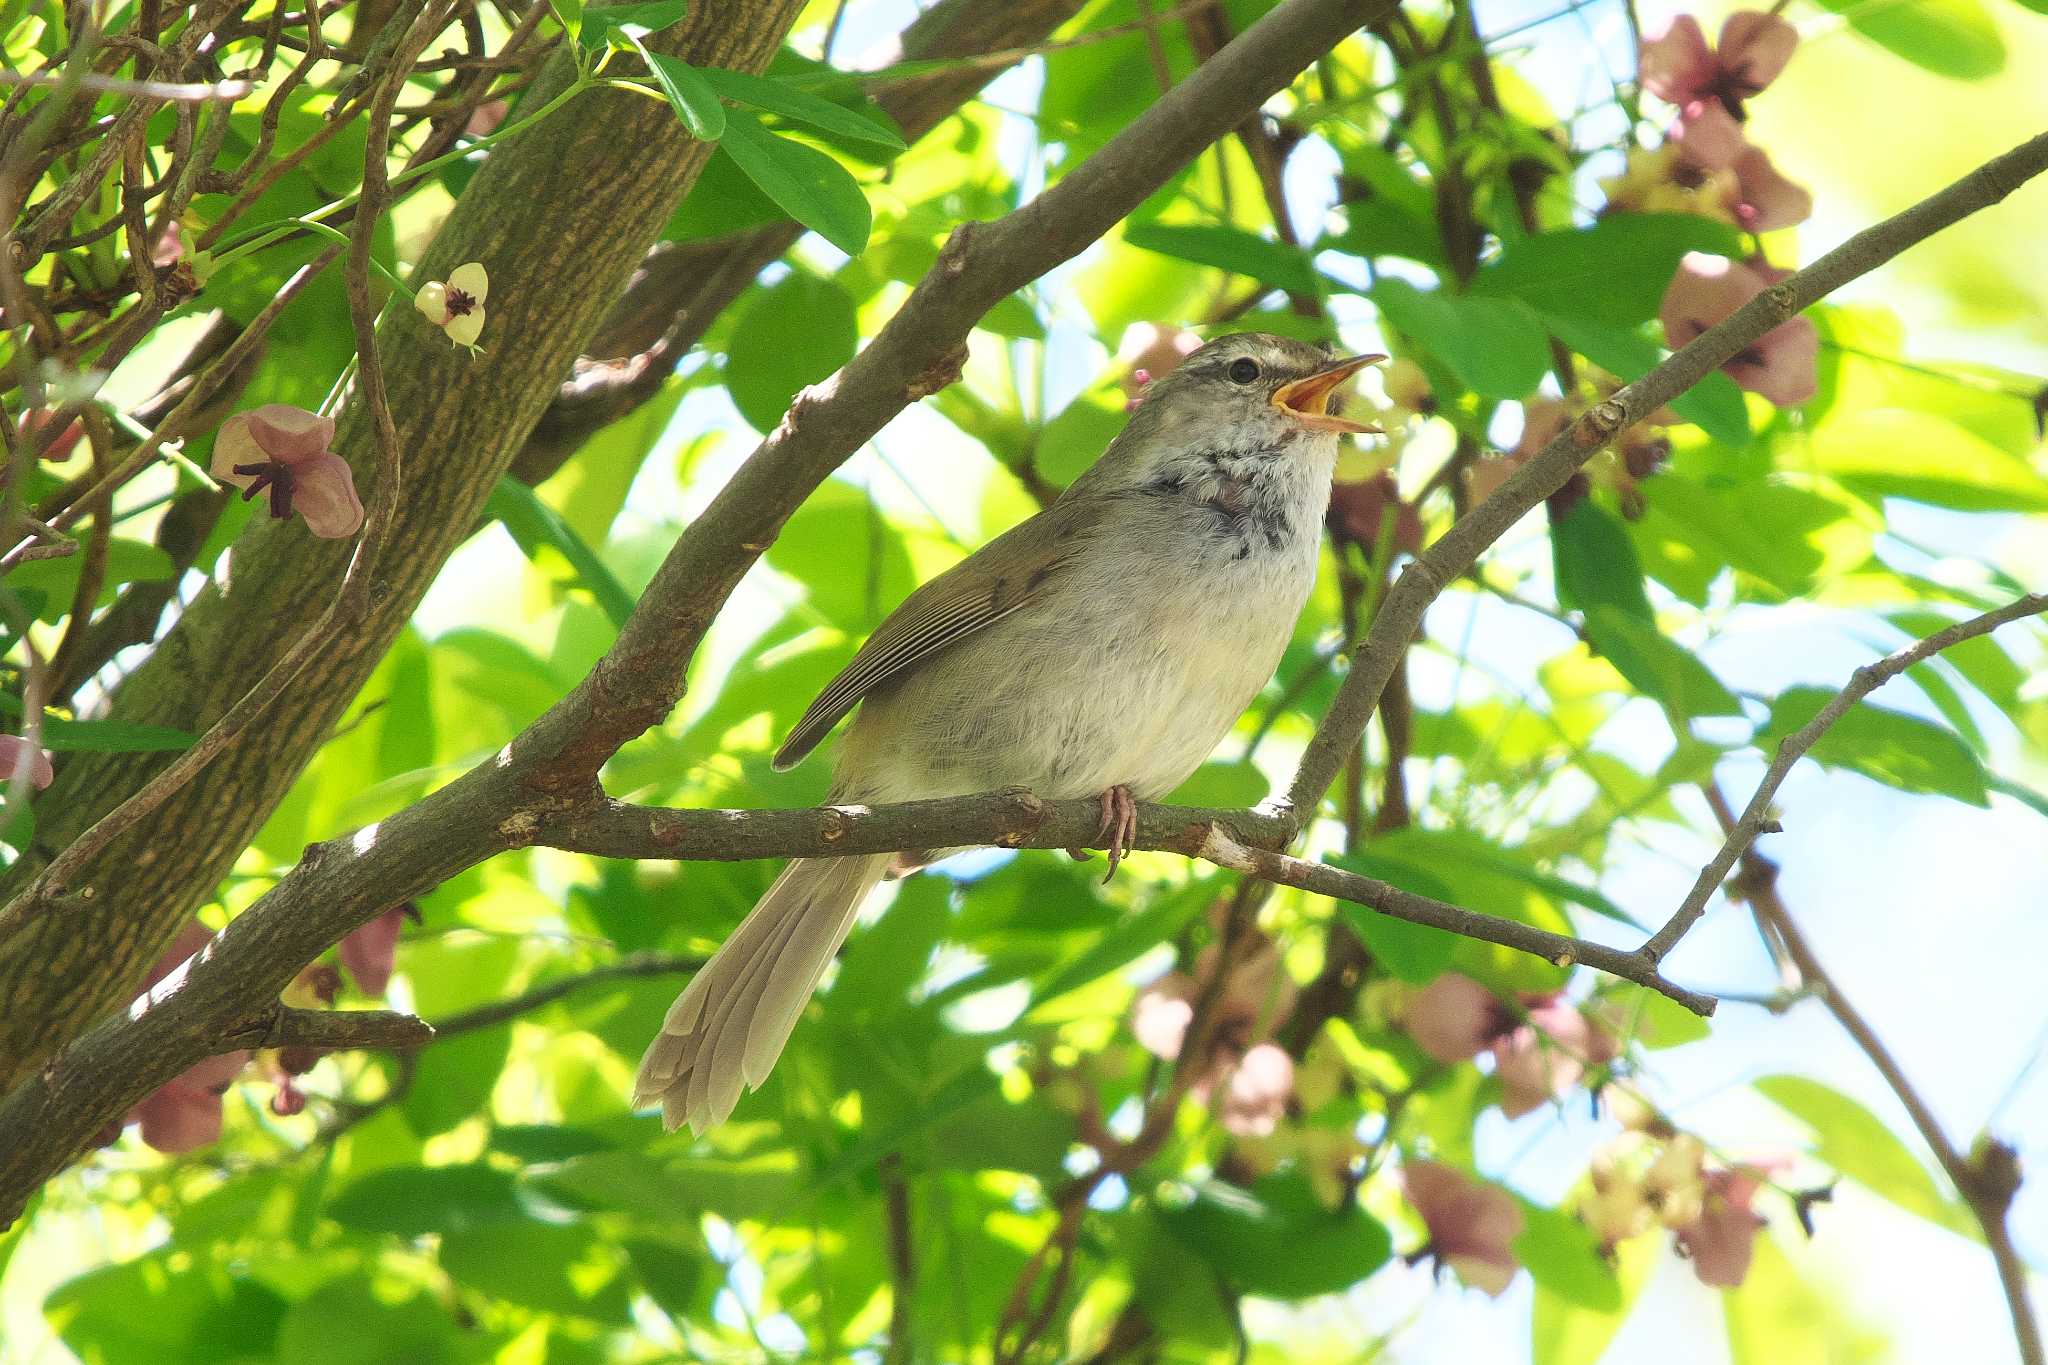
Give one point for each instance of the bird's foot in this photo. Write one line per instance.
(1119, 826)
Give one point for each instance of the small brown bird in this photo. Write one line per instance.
(1101, 648)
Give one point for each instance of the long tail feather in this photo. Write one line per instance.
(732, 1021)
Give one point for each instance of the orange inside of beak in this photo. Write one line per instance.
(1307, 400)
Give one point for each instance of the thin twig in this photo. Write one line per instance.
(1867, 679)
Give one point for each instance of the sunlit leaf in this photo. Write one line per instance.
(1889, 746)
(1859, 1145)
(808, 185)
(1274, 1239)
(1230, 249)
(1954, 38)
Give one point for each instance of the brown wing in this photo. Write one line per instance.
(980, 590)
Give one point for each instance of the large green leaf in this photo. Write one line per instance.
(1596, 566)
(167, 1306)
(779, 97)
(687, 91)
(1613, 272)
(1276, 1240)
(552, 1267)
(1903, 453)
(1414, 952)
(1954, 38)
(1859, 1145)
(1228, 248)
(1889, 746)
(809, 186)
(1775, 1317)
(412, 1201)
(1657, 666)
(794, 333)
(1495, 346)
(55, 581)
(1563, 1258)
(533, 524)
(1567, 1330)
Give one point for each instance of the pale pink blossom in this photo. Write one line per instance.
(19, 758)
(1454, 1018)
(1472, 1226)
(1678, 66)
(185, 1112)
(1780, 365)
(1545, 1057)
(370, 952)
(1149, 351)
(284, 450)
(1722, 1240)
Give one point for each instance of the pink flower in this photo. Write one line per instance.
(1780, 365)
(1454, 1018)
(370, 952)
(1256, 996)
(1149, 351)
(1678, 66)
(184, 1113)
(1357, 511)
(1722, 1240)
(1471, 1226)
(1256, 1099)
(284, 449)
(19, 758)
(1765, 200)
(1547, 1056)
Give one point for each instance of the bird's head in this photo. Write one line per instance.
(1249, 393)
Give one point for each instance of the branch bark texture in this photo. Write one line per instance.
(559, 217)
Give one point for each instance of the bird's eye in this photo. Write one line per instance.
(1244, 370)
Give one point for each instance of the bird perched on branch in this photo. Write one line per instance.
(1101, 648)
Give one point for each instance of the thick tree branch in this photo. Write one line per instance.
(53, 1110)
(1452, 555)
(680, 289)
(1742, 833)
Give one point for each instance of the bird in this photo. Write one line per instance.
(1100, 649)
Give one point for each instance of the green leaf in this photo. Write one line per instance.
(1276, 1240)
(128, 561)
(411, 1201)
(670, 1274)
(1954, 38)
(1655, 1021)
(64, 736)
(620, 25)
(779, 98)
(1563, 1331)
(1380, 227)
(809, 186)
(1231, 249)
(1126, 939)
(1861, 1147)
(1563, 1258)
(1596, 566)
(1614, 272)
(348, 1322)
(570, 13)
(1903, 453)
(551, 1267)
(1495, 347)
(533, 524)
(167, 1307)
(1775, 1317)
(1657, 666)
(795, 332)
(1714, 405)
(1888, 746)
(688, 92)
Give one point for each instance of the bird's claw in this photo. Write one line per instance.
(1119, 826)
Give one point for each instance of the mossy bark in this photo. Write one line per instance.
(559, 216)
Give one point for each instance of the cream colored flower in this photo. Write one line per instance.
(457, 306)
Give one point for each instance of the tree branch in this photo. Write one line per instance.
(1743, 833)
(1456, 551)
(1987, 1179)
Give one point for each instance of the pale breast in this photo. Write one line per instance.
(1129, 670)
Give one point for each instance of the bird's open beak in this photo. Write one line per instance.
(1307, 400)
